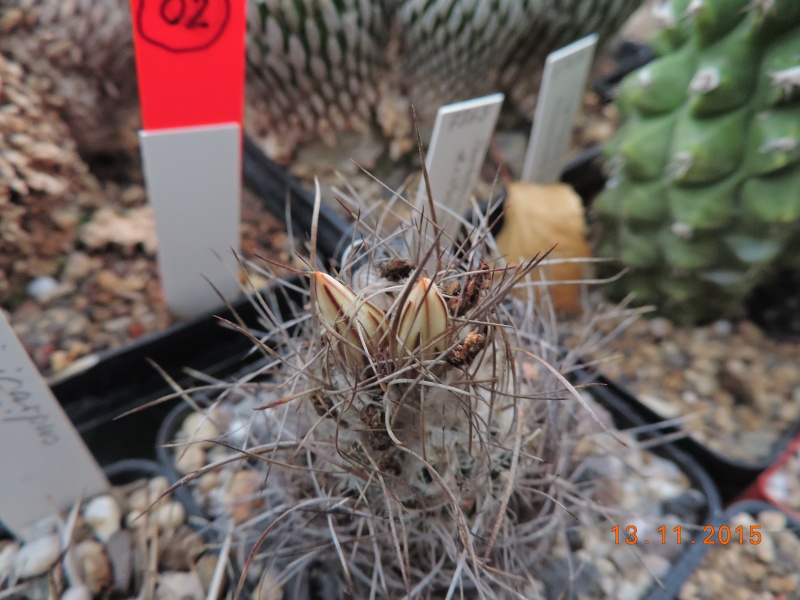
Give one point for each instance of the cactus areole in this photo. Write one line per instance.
(703, 198)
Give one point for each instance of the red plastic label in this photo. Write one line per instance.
(190, 61)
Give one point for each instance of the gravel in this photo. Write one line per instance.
(769, 570)
(733, 388)
(135, 541)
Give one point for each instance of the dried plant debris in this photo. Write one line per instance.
(81, 52)
(78, 271)
(548, 219)
(133, 542)
(44, 185)
(409, 444)
(733, 388)
(135, 228)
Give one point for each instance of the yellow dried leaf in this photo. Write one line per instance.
(537, 218)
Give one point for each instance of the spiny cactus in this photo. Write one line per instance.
(412, 435)
(318, 68)
(703, 201)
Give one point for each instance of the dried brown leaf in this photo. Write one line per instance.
(538, 218)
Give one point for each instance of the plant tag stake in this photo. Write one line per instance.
(563, 82)
(190, 63)
(193, 176)
(460, 140)
(45, 466)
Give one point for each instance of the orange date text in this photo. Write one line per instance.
(711, 535)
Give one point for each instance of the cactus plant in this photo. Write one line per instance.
(413, 437)
(703, 199)
(322, 67)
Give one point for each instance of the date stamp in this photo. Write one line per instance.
(711, 535)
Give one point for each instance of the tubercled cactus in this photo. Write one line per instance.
(703, 200)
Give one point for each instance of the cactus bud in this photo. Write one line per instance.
(342, 312)
(423, 320)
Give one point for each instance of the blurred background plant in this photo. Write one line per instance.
(703, 198)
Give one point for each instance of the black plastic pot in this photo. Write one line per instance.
(116, 381)
(129, 470)
(731, 476)
(773, 307)
(320, 584)
(125, 379)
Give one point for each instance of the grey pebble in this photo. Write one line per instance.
(41, 287)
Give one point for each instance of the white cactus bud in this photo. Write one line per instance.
(341, 311)
(423, 320)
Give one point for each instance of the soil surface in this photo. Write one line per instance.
(732, 387)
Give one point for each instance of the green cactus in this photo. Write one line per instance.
(703, 198)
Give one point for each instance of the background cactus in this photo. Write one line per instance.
(315, 68)
(318, 68)
(703, 200)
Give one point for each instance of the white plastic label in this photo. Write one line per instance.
(460, 140)
(44, 464)
(563, 82)
(193, 177)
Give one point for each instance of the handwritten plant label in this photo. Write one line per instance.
(182, 25)
(45, 466)
(563, 82)
(459, 142)
(190, 61)
(190, 58)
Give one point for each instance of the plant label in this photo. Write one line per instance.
(460, 140)
(45, 466)
(193, 179)
(190, 60)
(563, 82)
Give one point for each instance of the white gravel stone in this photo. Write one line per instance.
(104, 515)
(198, 426)
(41, 287)
(179, 586)
(77, 592)
(36, 557)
